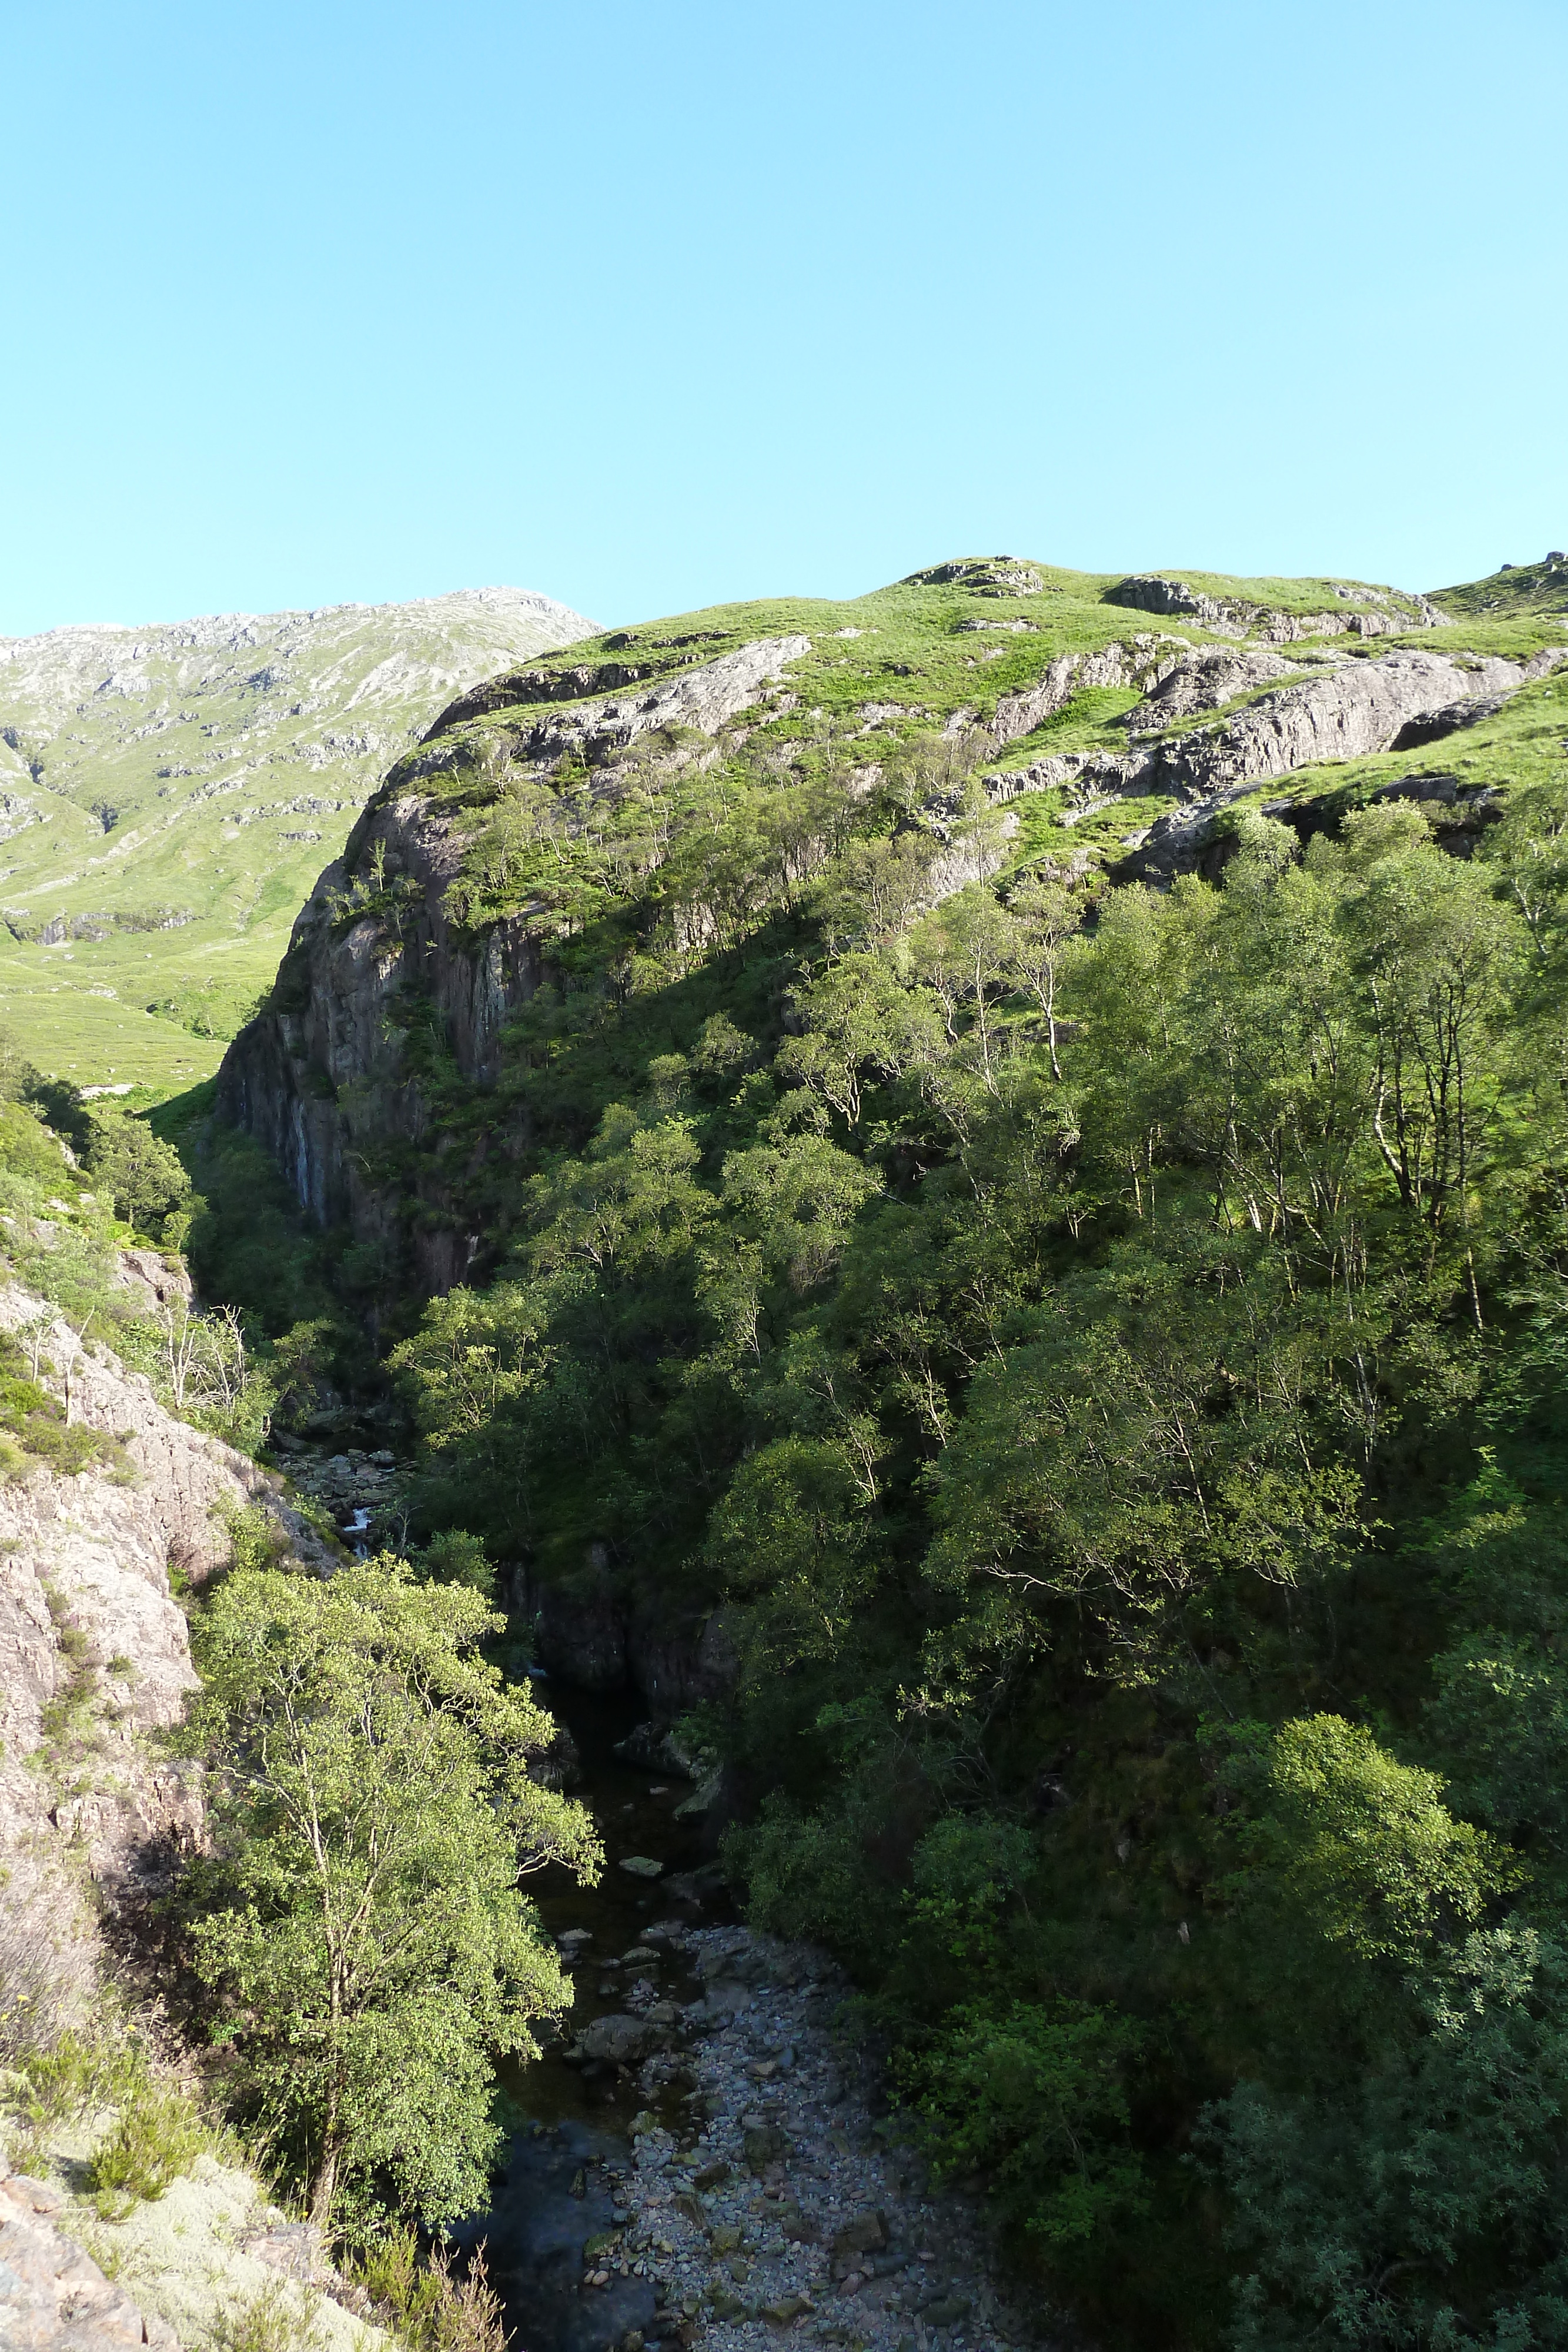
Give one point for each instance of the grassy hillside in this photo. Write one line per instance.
(168, 795)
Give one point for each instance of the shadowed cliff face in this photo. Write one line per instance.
(321, 1078)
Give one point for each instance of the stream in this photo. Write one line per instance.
(701, 2155)
(573, 2144)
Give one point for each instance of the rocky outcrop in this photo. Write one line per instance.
(321, 1074)
(95, 1658)
(982, 575)
(706, 697)
(1354, 709)
(1374, 612)
(1358, 709)
(53, 2295)
(1206, 680)
(211, 2260)
(1142, 661)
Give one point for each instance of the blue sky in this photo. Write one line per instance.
(652, 307)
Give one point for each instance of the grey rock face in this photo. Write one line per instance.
(1434, 725)
(706, 697)
(1355, 707)
(1142, 662)
(1206, 680)
(288, 1079)
(1375, 612)
(84, 1568)
(53, 2297)
(1147, 592)
(982, 575)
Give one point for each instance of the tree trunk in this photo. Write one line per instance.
(324, 2185)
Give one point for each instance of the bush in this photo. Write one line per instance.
(454, 1557)
(1036, 2096)
(158, 2137)
(432, 2310)
(282, 2318)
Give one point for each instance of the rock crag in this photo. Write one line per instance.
(322, 1069)
(1398, 700)
(95, 1657)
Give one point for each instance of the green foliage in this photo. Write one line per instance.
(33, 1425)
(1364, 1846)
(454, 1557)
(1421, 2204)
(431, 2309)
(140, 1175)
(1037, 2097)
(155, 2132)
(362, 1924)
(283, 2317)
(1096, 1361)
(157, 2137)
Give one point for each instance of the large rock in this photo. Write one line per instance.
(1353, 709)
(1207, 681)
(622, 2041)
(1356, 708)
(1374, 612)
(95, 1659)
(705, 697)
(53, 2295)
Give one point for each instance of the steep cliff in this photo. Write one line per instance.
(321, 1078)
(458, 896)
(95, 1659)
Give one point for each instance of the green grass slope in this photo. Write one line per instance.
(168, 795)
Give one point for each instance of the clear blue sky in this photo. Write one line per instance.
(651, 307)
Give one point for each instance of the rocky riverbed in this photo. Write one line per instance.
(758, 2195)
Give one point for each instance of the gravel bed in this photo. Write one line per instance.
(782, 2208)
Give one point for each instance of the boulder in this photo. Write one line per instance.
(622, 2040)
(764, 2145)
(866, 2233)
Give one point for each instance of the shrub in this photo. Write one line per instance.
(282, 2318)
(158, 2137)
(433, 2310)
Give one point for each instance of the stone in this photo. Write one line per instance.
(1147, 592)
(946, 2311)
(866, 2233)
(99, 1552)
(641, 1865)
(620, 2039)
(786, 2309)
(764, 2144)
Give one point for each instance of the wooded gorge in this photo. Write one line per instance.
(971, 1201)
(1091, 1354)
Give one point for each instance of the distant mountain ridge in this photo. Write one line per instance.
(168, 792)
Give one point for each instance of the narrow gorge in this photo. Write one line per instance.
(873, 1367)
